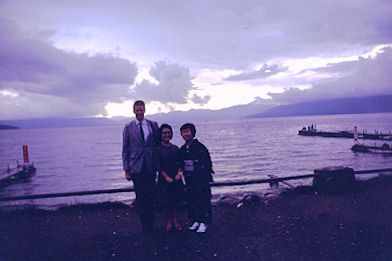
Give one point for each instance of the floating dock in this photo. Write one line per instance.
(20, 172)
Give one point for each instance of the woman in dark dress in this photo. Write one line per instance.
(170, 186)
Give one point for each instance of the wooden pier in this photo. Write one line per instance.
(312, 131)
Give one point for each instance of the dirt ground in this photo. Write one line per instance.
(298, 225)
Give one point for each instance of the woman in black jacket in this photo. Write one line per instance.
(195, 162)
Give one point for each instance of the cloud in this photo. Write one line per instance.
(31, 105)
(33, 68)
(174, 83)
(264, 72)
(237, 34)
(233, 34)
(200, 100)
(365, 77)
(200, 36)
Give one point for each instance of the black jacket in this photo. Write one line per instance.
(195, 163)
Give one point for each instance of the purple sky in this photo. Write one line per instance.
(89, 58)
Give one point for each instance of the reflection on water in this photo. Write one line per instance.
(89, 158)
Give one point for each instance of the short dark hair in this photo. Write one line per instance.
(165, 126)
(139, 102)
(189, 126)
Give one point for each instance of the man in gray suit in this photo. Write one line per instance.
(139, 140)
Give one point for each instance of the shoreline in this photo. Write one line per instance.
(20, 205)
(299, 224)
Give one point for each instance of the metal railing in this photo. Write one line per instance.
(213, 184)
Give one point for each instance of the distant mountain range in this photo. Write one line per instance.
(7, 127)
(235, 112)
(372, 104)
(231, 113)
(57, 122)
(258, 108)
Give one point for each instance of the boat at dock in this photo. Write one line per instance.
(385, 149)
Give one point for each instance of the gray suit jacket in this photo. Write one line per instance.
(134, 150)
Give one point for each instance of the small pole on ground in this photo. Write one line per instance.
(273, 184)
(276, 185)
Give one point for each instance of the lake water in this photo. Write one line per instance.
(89, 158)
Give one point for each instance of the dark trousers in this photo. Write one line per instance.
(144, 184)
(199, 205)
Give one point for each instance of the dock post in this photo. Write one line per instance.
(25, 155)
(355, 135)
(28, 167)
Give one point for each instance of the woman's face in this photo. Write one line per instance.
(187, 134)
(166, 134)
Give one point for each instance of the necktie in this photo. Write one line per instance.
(141, 131)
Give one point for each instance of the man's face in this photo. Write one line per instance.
(187, 135)
(139, 112)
